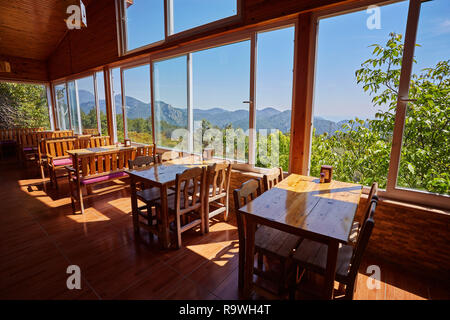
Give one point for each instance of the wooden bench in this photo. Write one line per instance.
(89, 170)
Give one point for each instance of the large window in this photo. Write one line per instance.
(136, 82)
(82, 108)
(221, 78)
(148, 22)
(170, 90)
(188, 14)
(425, 151)
(62, 107)
(144, 22)
(381, 112)
(119, 130)
(24, 105)
(352, 131)
(274, 76)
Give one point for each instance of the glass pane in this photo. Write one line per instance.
(88, 109)
(425, 154)
(23, 105)
(354, 108)
(102, 103)
(188, 14)
(144, 22)
(170, 89)
(221, 79)
(275, 54)
(74, 110)
(137, 104)
(62, 107)
(117, 104)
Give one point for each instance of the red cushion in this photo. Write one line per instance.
(111, 176)
(62, 162)
(28, 149)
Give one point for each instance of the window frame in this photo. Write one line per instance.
(169, 36)
(392, 191)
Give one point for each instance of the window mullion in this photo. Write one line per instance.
(403, 92)
(190, 103)
(97, 104)
(124, 116)
(252, 104)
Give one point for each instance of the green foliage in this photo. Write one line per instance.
(23, 105)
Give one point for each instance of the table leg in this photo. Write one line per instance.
(134, 206)
(333, 247)
(165, 236)
(250, 229)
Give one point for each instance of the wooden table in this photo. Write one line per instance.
(161, 176)
(302, 206)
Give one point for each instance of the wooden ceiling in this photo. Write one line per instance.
(32, 29)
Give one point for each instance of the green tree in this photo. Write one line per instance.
(23, 105)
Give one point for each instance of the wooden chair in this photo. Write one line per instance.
(217, 186)
(312, 257)
(30, 145)
(57, 156)
(148, 150)
(188, 203)
(89, 170)
(147, 195)
(169, 155)
(100, 141)
(272, 178)
(356, 227)
(271, 243)
(84, 141)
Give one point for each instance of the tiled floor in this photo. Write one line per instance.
(40, 238)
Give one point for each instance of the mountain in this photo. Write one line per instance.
(267, 118)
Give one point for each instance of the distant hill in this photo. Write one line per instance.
(268, 118)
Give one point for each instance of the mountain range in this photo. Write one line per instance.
(267, 118)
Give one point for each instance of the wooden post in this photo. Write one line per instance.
(303, 86)
(108, 102)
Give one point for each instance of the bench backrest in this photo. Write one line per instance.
(62, 133)
(95, 142)
(99, 164)
(145, 151)
(57, 148)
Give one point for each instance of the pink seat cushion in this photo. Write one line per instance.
(111, 176)
(62, 162)
(28, 149)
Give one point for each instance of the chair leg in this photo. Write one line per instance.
(72, 201)
(178, 225)
(241, 264)
(42, 171)
(225, 214)
(206, 216)
(80, 198)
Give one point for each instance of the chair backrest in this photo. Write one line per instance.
(169, 155)
(145, 150)
(218, 179)
(362, 242)
(84, 141)
(272, 178)
(141, 162)
(100, 164)
(62, 133)
(373, 195)
(100, 141)
(92, 132)
(190, 190)
(249, 189)
(32, 139)
(58, 147)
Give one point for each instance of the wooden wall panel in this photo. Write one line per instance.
(60, 62)
(24, 69)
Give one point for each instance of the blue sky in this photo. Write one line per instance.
(221, 75)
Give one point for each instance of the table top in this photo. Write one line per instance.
(165, 173)
(98, 150)
(301, 205)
